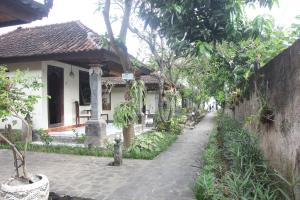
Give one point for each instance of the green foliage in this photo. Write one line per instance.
(146, 146)
(61, 149)
(45, 137)
(233, 166)
(207, 185)
(228, 66)
(104, 41)
(14, 136)
(291, 184)
(124, 114)
(210, 21)
(149, 145)
(296, 28)
(17, 99)
(80, 139)
(174, 125)
(127, 112)
(137, 91)
(17, 94)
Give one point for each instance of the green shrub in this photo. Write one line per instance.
(14, 136)
(174, 126)
(45, 137)
(149, 145)
(124, 114)
(234, 167)
(80, 139)
(207, 185)
(145, 146)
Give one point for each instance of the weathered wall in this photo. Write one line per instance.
(279, 83)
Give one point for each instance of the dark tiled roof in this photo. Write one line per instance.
(40, 9)
(13, 12)
(67, 37)
(148, 79)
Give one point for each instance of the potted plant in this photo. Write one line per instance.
(16, 102)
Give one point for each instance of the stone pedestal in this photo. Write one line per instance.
(95, 128)
(96, 132)
(118, 158)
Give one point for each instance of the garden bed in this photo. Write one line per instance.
(145, 146)
(234, 167)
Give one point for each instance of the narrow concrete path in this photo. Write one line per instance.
(170, 176)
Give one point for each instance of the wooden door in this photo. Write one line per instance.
(55, 85)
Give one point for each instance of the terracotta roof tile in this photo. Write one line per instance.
(50, 39)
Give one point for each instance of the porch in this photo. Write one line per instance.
(67, 135)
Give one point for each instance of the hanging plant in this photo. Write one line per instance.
(125, 114)
(266, 114)
(137, 91)
(108, 86)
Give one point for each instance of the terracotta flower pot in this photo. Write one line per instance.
(38, 190)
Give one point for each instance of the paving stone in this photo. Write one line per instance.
(170, 176)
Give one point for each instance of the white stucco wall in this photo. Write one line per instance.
(71, 91)
(152, 102)
(117, 97)
(71, 94)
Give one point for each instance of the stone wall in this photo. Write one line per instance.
(279, 84)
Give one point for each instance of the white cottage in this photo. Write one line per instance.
(60, 56)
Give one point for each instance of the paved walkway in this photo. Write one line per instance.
(168, 177)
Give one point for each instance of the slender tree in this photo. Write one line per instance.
(118, 45)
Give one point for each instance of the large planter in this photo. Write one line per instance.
(38, 190)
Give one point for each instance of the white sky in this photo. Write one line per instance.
(284, 15)
(84, 10)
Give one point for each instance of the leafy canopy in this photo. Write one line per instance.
(198, 20)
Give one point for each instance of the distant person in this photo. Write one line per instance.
(193, 116)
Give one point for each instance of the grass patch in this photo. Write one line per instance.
(62, 149)
(234, 168)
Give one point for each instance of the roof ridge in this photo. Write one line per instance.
(19, 28)
(91, 35)
(49, 39)
(87, 29)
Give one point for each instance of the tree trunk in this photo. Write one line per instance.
(170, 115)
(121, 51)
(128, 134)
(160, 101)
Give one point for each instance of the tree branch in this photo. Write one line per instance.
(110, 32)
(125, 21)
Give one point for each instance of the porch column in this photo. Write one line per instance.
(95, 128)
